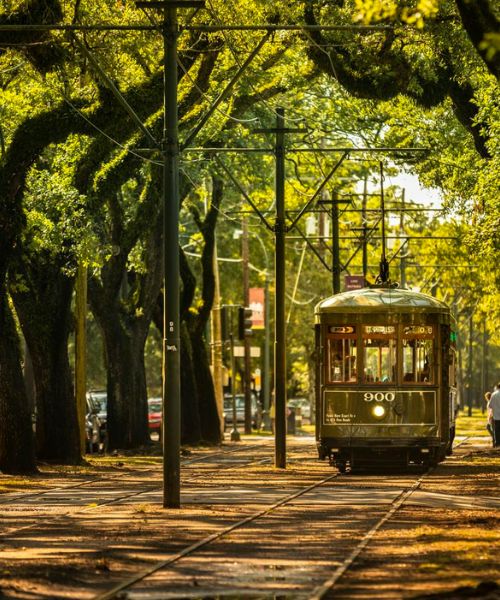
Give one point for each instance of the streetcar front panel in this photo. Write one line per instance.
(394, 414)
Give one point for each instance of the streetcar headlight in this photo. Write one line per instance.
(378, 411)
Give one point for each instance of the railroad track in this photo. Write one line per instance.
(136, 587)
(13, 497)
(181, 569)
(138, 487)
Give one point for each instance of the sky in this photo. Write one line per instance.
(413, 189)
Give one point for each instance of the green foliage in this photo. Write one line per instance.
(426, 54)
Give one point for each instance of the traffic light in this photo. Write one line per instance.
(244, 322)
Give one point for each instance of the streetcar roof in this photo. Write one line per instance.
(378, 299)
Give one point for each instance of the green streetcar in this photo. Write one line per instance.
(385, 378)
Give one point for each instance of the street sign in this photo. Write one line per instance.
(239, 351)
(256, 303)
(354, 282)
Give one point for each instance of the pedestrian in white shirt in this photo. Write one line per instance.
(494, 406)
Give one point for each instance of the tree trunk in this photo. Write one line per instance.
(191, 420)
(124, 339)
(209, 415)
(17, 448)
(207, 407)
(44, 311)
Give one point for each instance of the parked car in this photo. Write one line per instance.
(240, 410)
(155, 406)
(97, 416)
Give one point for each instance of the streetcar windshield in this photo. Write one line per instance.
(418, 355)
(379, 353)
(342, 353)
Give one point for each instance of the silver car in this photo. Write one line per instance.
(240, 410)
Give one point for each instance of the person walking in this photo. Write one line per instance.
(494, 406)
(489, 418)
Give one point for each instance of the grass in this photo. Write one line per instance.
(474, 426)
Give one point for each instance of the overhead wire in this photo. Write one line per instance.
(66, 99)
(297, 279)
(13, 68)
(234, 53)
(205, 95)
(111, 139)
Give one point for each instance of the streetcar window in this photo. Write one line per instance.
(342, 353)
(418, 354)
(379, 353)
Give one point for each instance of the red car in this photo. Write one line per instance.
(154, 415)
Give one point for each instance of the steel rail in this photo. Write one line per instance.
(13, 497)
(130, 494)
(70, 486)
(112, 593)
(322, 590)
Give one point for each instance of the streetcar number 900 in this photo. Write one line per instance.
(379, 396)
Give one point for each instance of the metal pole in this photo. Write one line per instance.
(280, 325)
(402, 265)
(246, 342)
(235, 434)
(267, 343)
(217, 342)
(335, 245)
(365, 227)
(469, 366)
(483, 367)
(486, 338)
(171, 322)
